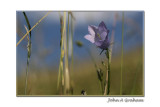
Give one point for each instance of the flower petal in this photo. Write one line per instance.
(103, 35)
(105, 44)
(98, 43)
(91, 30)
(95, 28)
(98, 35)
(90, 38)
(102, 26)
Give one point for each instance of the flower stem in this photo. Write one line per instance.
(122, 53)
(108, 73)
(106, 82)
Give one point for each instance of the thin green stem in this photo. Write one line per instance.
(72, 58)
(108, 72)
(60, 73)
(28, 51)
(106, 81)
(72, 42)
(122, 53)
(26, 80)
(68, 36)
(28, 58)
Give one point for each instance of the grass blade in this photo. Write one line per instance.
(32, 28)
(29, 26)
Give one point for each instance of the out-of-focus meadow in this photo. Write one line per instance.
(45, 53)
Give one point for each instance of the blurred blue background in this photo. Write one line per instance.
(46, 36)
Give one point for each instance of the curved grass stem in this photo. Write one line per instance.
(28, 50)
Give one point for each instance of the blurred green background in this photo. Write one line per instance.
(44, 61)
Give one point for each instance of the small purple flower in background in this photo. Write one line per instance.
(98, 36)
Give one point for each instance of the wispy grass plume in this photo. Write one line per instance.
(60, 73)
(67, 79)
(65, 39)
